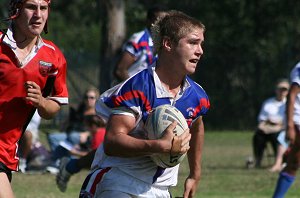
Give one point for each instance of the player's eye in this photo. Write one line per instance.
(31, 7)
(44, 7)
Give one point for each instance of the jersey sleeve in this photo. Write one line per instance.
(128, 98)
(203, 101)
(135, 44)
(295, 74)
(60, 91)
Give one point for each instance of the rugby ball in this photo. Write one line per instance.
(158, 120)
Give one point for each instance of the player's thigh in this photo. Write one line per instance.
(293, 161)
(110, 193)
(296, 148)
(5, 187)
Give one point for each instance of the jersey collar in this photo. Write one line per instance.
(10, 41)
(161, 92)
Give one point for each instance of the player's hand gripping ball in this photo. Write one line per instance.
(158, 120)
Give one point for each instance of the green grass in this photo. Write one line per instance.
(224, 174)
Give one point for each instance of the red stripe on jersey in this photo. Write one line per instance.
(144, 44)
(98, 179)
(141, 44)
(131, 95)
(203, 103)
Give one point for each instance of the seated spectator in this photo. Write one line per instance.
(75, 133)
(71, 165)
(270, 122)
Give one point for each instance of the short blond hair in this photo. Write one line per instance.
(174, 25)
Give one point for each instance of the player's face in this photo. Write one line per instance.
(189, 50)
(32, 18)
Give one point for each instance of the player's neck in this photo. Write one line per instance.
(173, 90)
(27, 43)
(169, 77)
(24, 49)
(170, 82)
(24, 41)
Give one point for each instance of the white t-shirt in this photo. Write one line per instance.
(272, 110)
(33, 127)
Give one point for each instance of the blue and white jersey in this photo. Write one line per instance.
(140, 45)
(136, 97)
(295, 78)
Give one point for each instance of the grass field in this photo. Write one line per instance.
(224, 174)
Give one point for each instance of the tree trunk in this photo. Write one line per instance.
(113, 34)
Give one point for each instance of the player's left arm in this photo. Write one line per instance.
(194, 157)
(121, 71)
(47, 108)
(291, 99)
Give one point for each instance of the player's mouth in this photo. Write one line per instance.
(195, 61)
(36, 24)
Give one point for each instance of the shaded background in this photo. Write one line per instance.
(249, 44)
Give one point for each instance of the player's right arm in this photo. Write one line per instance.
(290, 131)
(47, 108)
(194, 158)
(119, 143)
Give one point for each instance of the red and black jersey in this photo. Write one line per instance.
(43, 61)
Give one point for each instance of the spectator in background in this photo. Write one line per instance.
(69, 165)
(29, 139)
(138, 52)
(75, 132)
(270, 122)
(288, 174)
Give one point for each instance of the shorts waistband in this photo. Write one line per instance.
(7, 171)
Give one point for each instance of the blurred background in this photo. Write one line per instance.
(248, 46)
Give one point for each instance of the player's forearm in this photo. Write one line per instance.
(121, 74)
(120, 142)
(196, 148)
(123, 65)
(48, 108)
(123, 145)
(194, 158)
(290, 109)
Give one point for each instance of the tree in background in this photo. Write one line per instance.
(113, 32)
(248, 45)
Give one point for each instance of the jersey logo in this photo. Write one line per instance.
(191, 112)
(46, 68)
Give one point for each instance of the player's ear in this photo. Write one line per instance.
(167, 44)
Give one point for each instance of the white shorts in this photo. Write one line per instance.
(109, 182)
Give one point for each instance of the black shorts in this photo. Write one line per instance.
(7, 171)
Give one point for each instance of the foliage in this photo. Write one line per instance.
(248, 46)
(75, 26)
